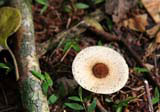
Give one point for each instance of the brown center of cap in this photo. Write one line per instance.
(100, 70)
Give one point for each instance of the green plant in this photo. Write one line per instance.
(118, 106)
(80, 5)
(71, 43)
(44, 3)
(140, 70)
(7, 67)
(67, 7)
(109, 23)
(97, 1)
(79, 102)
(156, 97)
(100, 43)
(46, 83)
(10, 21)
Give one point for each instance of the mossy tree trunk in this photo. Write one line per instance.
(33, 98)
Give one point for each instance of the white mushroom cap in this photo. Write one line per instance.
(87, 58)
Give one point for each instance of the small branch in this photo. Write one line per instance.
(100, 107)
(33, 99)
(148, 96)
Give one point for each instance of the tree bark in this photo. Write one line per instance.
(32, 96)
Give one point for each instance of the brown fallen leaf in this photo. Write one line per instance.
(137, 23)
(149, 66)
(152, 31)
(153, 8)
(150, 49)
(158, 38)
(119, 8)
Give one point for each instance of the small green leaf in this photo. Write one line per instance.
(76, 47)
(38, 75)
(140, 70)
(119, 109)
(45, 87)
(100, 43)
(67, 9)
(97, 1)
(156, 97)
(118, 106)
(8, 67)
(74, 106)
(92, 106)
(80, 93)
(44, 9)
(156, 92)
(48, 79)
(42, 2)
(52, 99)
(67, 45)
(81, 5)
(125, 102)
(109, 23)
(4, 66)
(74, 98)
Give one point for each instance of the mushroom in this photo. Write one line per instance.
(100, 70)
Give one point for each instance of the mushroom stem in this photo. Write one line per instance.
(100, 70)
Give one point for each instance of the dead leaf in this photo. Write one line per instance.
(152, 31)
(93, 23)
(137, 23)
(158, 38)
(150, 49)
(149, 66)
(119, 8)
(153, 8)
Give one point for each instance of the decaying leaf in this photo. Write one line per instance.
(10, 20)
(152, 31)
(158, 38)
(150, 49)
(149, 66)
(119, 8)
(137, 23)
(153, 8)
(93, 23)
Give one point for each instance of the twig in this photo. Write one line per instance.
(155, 65)
(8, 109)
(4, 95)
(148, 96)
(99, 105)
(65, 54)
(110, 37)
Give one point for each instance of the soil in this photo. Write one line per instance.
(53, 21)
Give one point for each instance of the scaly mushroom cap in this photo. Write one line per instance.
(100, 70)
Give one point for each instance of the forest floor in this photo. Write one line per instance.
(129, 20)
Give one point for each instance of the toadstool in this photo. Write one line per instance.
(100, 70)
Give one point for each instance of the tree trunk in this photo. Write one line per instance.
(33, 98)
